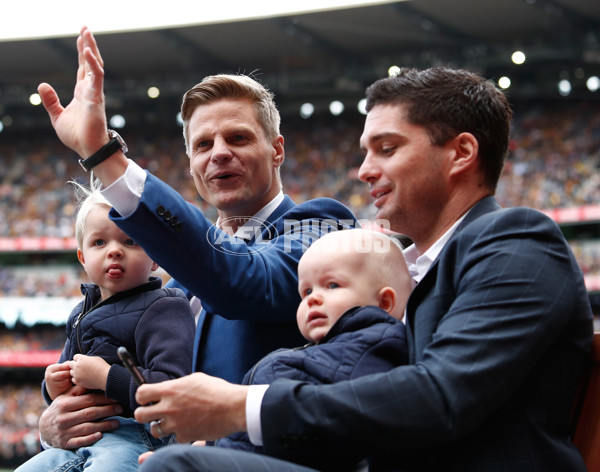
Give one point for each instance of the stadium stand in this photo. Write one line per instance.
(553, 166)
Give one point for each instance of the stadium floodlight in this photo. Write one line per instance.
(518, 57)
(593, 83)
(504, 82)
(153, 92)
(336, 108)
(306, 110)
(564, 87)
(362, 106)
(117, 121)
(35, 99)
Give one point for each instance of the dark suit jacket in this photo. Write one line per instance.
(250, 290)
(498, 333)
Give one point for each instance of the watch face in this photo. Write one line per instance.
(112, 134)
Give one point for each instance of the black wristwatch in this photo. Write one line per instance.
(116, 142)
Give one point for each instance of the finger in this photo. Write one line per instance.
(81, 441)
(146, 414)
(148, 393)
(94, 67)
(86, 434)
(85, 422)
(158, 429)
(50, 101)
(90, 42)
(144, 456)
(80, 59)
(78, 399)
(77, 391)
(61, 375)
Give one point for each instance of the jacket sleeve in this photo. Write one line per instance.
(510, 309)
(231, 278)
(164, 340)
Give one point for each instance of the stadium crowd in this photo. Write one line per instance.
(554, 161)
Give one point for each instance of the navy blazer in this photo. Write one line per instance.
(499, 330)
(249, 290)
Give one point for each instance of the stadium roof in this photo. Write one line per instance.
(330, 54)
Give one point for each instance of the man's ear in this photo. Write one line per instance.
(80, 257)
(154, 266)
(278, 147)
(466, 152)
(386, 299)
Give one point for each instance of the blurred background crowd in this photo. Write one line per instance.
(554, 162)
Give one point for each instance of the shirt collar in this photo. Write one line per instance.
(419, 264)
(256, 222)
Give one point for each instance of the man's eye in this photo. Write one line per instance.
(201, 145)
(239, 138)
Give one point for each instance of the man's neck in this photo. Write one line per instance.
(231, 223)
(449, 216)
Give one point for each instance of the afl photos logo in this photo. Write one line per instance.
(253, 230)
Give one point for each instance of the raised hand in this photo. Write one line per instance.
(82, 124)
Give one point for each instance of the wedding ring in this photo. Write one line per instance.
(157, 423)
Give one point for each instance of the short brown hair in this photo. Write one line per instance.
(447, 102)
(221, 86)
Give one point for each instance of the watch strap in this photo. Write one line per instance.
(101, 155)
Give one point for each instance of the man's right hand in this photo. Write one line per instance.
(71, 422)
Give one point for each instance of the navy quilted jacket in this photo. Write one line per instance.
(152, 322)
(363, 341)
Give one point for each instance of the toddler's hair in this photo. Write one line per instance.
(87, 199)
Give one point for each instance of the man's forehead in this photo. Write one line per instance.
(383, 121)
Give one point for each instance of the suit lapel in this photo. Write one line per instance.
(427, 283)
(286, 205)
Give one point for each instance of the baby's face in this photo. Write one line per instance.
(329, 285)
(112, 260)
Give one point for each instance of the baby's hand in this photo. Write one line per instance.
(89, 372)
(58, 379)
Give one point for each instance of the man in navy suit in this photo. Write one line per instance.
(499, 324)
(241, 270)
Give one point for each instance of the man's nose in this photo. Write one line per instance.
(367, 171)
(221, 151)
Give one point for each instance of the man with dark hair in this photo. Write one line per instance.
(499, 324)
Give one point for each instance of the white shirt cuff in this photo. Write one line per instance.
(253, 404)
(45, 444)
(124, 194)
